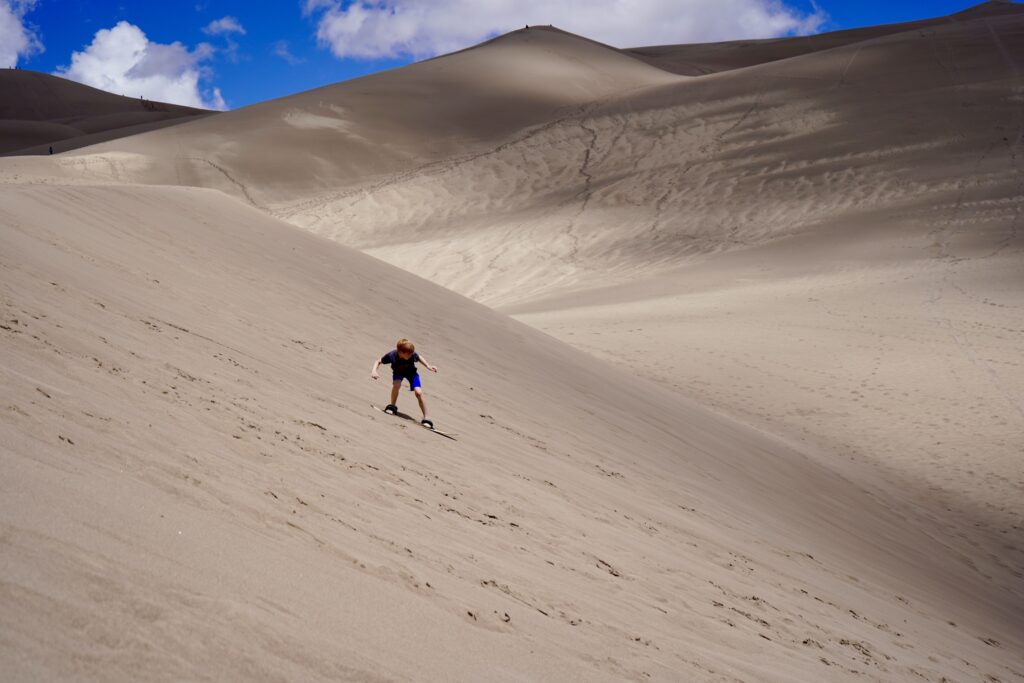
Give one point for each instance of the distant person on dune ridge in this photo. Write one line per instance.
(403, 361)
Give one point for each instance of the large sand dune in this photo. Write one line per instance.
(39, 111)
(822, 246)
(868, 191)
(348, 136)
(704, 58)
(196, 487)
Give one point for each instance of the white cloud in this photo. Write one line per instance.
(16, 39)
(423, 28)
(217, 100)
(124, 61)
(282, 50)
(223, 25)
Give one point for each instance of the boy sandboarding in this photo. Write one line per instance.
(403, 367)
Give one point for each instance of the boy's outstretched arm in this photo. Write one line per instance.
(425, 362)
(373, 372)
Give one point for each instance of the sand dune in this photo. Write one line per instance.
(342, 138)
(196, 487)
(39, 111)
(878, 182)
(823, 249)
(704, 58)
(640, 169)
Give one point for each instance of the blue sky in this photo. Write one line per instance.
(230, 53)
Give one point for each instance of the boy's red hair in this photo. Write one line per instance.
(405, 345)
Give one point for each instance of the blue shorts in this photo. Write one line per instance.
(414, 381)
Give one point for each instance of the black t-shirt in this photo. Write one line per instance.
(399, 365)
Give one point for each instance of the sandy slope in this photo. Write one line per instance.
(195, 487)
(704, 58)
(39, 110)
(326, 140)
(914, 367)
(888, 174)
(886, 323)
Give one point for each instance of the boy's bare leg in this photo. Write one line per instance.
(419, 397)
(395, 387)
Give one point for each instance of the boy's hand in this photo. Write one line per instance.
(433, 368)
(374, 375)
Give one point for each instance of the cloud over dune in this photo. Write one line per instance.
(16, 39)
(388, 28)
(123, 60)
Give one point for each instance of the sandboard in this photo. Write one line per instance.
(413, 419)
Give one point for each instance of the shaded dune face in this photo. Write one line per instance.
(700, 59)
(38, 111)
(372, 128)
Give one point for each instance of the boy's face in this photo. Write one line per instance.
(404, 355)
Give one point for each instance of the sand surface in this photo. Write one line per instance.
(778, 436)
(197, 487)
